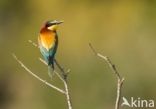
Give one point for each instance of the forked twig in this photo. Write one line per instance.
(64, 80)
(119, 78)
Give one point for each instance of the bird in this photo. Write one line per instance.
(48, 43)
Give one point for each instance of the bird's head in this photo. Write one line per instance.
(52, 25)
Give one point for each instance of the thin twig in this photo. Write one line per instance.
(64, 74)
(37, 77)
(33, 43)
(119, 78)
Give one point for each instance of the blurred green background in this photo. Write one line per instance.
(124, 30)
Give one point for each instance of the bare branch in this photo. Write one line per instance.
(67, 95)
(64, 80)
(37, 77)
(119, 78)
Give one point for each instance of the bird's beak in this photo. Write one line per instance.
(59, 22)
(55, 22)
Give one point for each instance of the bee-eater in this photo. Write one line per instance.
(48, 42)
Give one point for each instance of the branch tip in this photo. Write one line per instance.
(92, 48)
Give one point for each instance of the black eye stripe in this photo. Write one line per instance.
(50, 24)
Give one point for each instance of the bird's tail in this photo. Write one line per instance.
(51, 70)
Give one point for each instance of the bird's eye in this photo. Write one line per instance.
(48, 24)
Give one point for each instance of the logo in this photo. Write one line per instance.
(137, 102)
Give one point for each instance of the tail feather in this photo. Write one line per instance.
(51, 61)
(51, 70)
